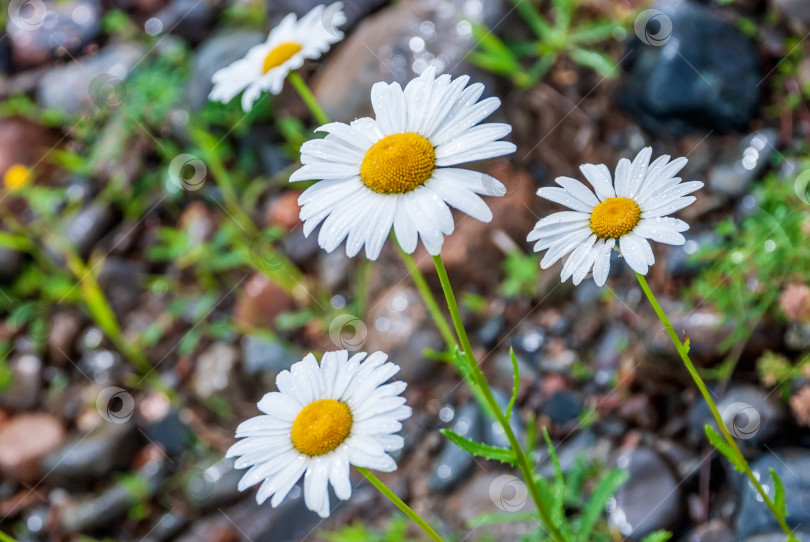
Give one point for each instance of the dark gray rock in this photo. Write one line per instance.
(26, 370)
(713, 531)
(89, 457)
(190, 19)
(122, 282)
(217, 52)
(5, 55)
(166, 527)
(98, 82)
(564, 406)
(681, 259)
(679, 75)
(11, 262)
(213, 484)
(793, 467)
(264, 356)
(453, 464)
(170, 432)
(89, 226)
(751, 415)
(649, 500)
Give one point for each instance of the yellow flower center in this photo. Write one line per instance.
(279, 55)
(321, 426)
(615, 217)
(16, 177)
(398, 163)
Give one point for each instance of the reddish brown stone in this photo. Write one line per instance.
(260, 302)
(24, 441)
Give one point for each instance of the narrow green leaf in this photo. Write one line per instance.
(559, 480)
(515, 383)
(723, 447)
(496, 453)
(603, 491)
(599, 62)
(658, 536)
(779, 494)
(532, 16)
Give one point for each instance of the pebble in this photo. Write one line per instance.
(214, 370)
(649, 500)
(585, 445)
(713, 531)
(99, 81)
(681, 261)
(739, 167)
(793, 467)
(453, 464)
(793, 10)
(64, 329)
(752, 415)
(166, 527)
(89, 226)
(11, 262)
(564, 406)
(51, 28)
(170, 432)
(213, 485)
(681, 79)
(189, 19)
(89, 457)
(20, 452)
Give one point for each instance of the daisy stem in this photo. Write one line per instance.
(683, 350)
(481, 381)
(6, 538)
(427, 296)
(407, 510)
(309, 98)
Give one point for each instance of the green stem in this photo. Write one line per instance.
(481, 381)
(427, 297)
(704, 391)
(407, 510)
(309, 98)
(6, 538)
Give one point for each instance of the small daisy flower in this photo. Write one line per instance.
(624, 214)
(323, 418)
(397, 170)
(287, 46)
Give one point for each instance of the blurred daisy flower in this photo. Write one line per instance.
(397, 170)
(625, 213)
(323, 418)
(287, 46)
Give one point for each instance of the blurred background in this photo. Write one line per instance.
(154, 277)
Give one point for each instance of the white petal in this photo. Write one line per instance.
(578, 190)
(600, 179)
(559, 195)
(601, 264)
(634, 252)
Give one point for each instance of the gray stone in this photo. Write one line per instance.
(89, 226)
(189, 19)
(26, 371)
(89, 457)
(99, 81)
(713, 531)
(793, 467)
(214, 370)
(649, 500)
(212, 485)
(680, 78)
(751, 415)
(453, 464)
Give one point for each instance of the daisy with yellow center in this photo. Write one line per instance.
(287, 46)
(323, 418)
(398, 169)
(16, 177)
(627, 214)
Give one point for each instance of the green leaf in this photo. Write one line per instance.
(779, 494)
(496, 453)
(533, 18)
(724, 448)
(603, 491)
(658, 536)
(515, 384)
(559, 481)
(599, 62)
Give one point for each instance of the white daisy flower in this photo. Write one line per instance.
(396, 170)
(625, 215)
(287, 46)
(323, 418)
